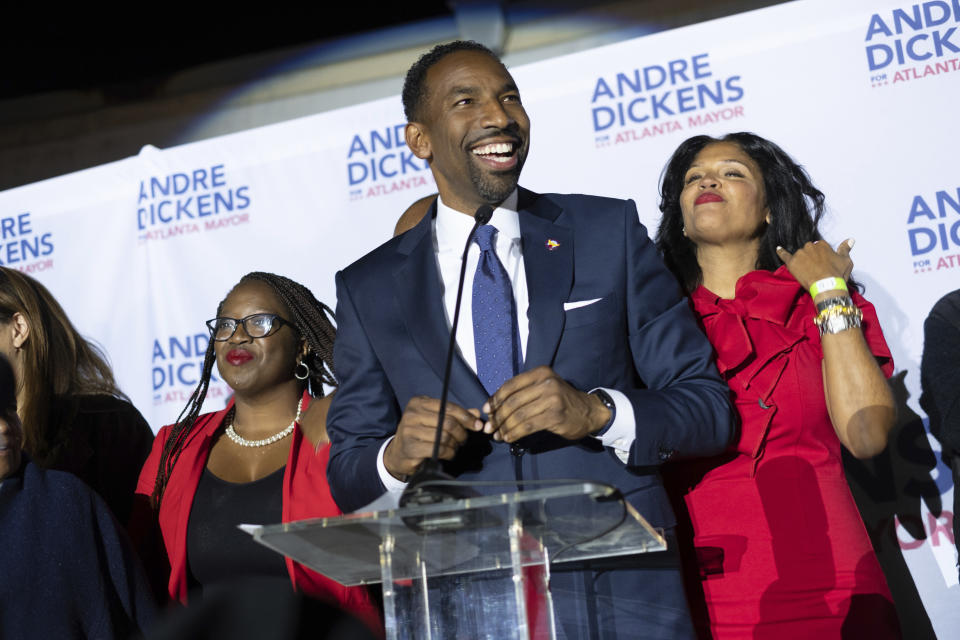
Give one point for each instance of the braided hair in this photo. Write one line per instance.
(312, 319)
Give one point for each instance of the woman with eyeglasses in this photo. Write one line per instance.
(260, 460)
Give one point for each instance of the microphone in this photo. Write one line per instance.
(482, 216)
(430, 484)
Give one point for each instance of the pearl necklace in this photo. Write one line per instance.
(280, 435)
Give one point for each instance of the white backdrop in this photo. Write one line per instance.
(863, 93)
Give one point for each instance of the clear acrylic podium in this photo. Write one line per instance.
(472, 568)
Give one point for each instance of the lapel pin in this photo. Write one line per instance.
(552, 244)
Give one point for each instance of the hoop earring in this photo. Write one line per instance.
(306, 368)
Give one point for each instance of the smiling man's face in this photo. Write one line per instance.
(475, 132)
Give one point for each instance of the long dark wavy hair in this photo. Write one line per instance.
(796, 206)
(58, 366)
(313, 320)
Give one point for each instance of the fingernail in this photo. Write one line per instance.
(851, 242)
(486, 408)
(779, 248)
(488, 427)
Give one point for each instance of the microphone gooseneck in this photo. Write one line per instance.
(429, 469)
(482, 216)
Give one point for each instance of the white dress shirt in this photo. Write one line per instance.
(450, 229)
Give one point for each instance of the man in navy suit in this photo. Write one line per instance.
(613, 376)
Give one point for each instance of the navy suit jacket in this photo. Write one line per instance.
(640, 338)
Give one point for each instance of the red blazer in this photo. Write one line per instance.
(305, 495)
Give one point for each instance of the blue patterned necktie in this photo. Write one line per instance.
(496, 337)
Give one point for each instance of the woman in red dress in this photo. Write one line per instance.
(778, 547)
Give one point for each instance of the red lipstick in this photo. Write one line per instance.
(704, 198)
(236, 357)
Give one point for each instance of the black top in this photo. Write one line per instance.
(106, 447)
(217, 551)
(940, 372)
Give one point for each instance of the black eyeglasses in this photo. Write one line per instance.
(257, 325)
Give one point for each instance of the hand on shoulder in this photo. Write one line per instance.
(817, 260)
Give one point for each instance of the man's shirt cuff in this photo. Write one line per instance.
(389, 482)
(622, 432)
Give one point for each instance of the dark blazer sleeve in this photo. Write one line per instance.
(940, 372)
(363, 412)
(684, 409)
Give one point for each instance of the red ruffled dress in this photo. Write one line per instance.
(781, 550)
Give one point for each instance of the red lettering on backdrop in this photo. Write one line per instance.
(943, 524)
(935, 526)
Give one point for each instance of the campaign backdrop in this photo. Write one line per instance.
(863, 93)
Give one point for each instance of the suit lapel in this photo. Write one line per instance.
(419, 292)
(548, 262)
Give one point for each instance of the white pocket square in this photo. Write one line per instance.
(567, 306)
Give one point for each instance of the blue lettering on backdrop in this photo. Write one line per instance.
(924, 17)
(621, 105)
(928, 234)
(181, 362)
(197, 193)
(384, 154)
(18, 241)
(15, 225)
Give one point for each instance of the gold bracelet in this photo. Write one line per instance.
(835, 310)
(838, 318)
(841, 301)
